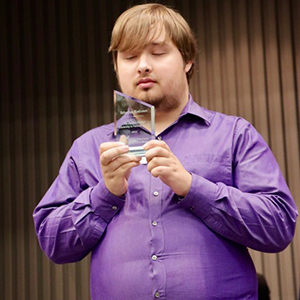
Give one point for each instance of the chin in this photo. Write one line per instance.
(149, 96)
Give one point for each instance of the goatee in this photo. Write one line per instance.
(162, 103)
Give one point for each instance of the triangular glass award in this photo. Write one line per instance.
(134, 122)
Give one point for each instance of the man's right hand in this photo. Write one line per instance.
(116, 166)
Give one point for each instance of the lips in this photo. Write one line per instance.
(146, 83)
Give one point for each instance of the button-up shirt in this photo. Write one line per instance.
(152, 244)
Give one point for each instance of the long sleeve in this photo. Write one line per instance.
(74, 213)
(257, 210)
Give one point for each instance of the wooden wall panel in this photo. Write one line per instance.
(56, 83)
(295, 13)
(6, 228)
(291, 131)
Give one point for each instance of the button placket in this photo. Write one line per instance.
(155, 211)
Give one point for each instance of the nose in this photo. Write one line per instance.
(144, 66)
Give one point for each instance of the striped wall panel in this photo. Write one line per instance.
(56, 83)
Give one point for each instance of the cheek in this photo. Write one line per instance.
(125, 83)
(174, 70)
(175, 76)
(123, 73)
(123, 77)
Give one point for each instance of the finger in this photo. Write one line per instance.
(109, 145)
(156, 143)
(157, 152)
(123, 169)
(159, 171)
(124, 139)
(159, 161)
(117, 162)
(112, 153)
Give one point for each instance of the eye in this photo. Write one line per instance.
(158, 53)
(130, 57)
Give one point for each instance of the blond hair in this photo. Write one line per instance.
(132, 29)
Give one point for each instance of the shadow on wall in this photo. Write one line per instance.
(263, 288)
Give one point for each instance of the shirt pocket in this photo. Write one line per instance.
(213, 167)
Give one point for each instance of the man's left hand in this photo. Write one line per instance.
(164, 164)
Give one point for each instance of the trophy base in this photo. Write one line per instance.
(137, 151)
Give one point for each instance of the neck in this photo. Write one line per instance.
(164, 119)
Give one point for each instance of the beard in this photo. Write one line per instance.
(162, 103)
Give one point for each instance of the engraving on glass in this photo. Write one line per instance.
(134, 122)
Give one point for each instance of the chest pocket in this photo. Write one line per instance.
(216, 168)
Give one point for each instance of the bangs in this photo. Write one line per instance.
(137, 31)
(136, 38)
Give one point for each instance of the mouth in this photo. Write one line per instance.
(146, 83)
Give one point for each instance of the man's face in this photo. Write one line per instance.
(155, 74)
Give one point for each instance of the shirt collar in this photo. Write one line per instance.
(193, 108)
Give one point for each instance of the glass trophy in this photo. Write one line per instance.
(134, 122)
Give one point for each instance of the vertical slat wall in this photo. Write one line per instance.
(57, 81)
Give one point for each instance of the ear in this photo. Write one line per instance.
(115, 61)
(188, 66)
(116, 67)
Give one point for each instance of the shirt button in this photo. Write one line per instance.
(154, 257)
(114, 207)
(154, 223)
(156, 294)
(155, 193)
(159, 138)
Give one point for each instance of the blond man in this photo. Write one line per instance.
(178, 227)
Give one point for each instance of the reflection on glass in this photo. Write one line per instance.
(134, 122)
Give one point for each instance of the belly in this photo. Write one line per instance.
(191, 262)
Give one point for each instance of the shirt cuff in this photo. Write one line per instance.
(200, 197)
(104, 203)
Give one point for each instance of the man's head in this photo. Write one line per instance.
(133, 28)
(154, 51)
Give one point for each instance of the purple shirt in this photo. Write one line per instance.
(151, 244)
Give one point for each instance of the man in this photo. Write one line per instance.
(179, 226)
